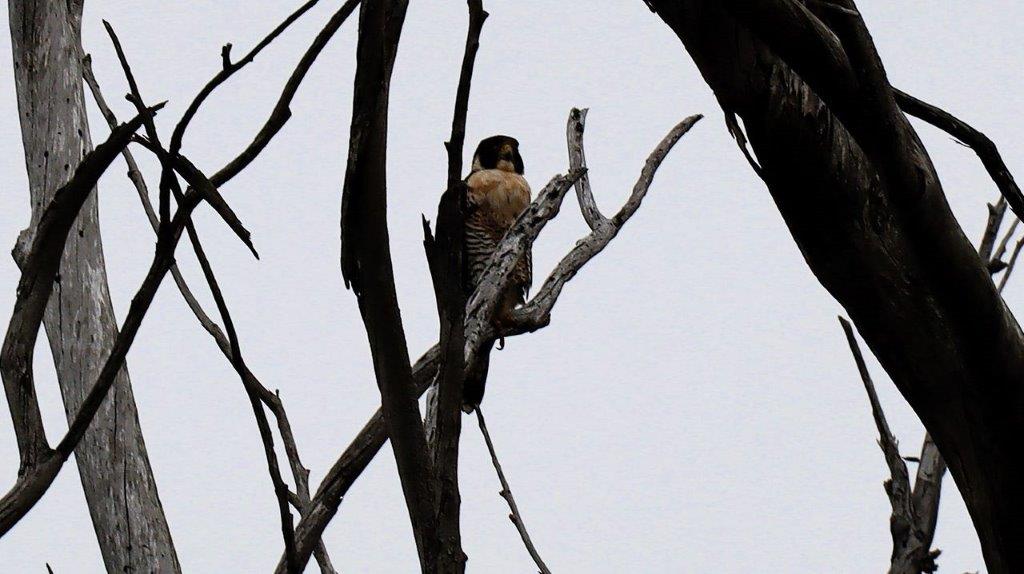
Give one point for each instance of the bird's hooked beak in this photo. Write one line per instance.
(507, 152)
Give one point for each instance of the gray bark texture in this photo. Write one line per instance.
(119, 487)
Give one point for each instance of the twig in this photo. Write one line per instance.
(997, 257)
(909, 553)
(281, 112)
(506, 493)
(228, 69)
(168, 182)
(996, 213)
(299, 473)
(1011, 265)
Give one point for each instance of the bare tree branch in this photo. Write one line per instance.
(367, 269)
(449, 273)
(39, 271)
(167, 181)
(909, 555)
(1011, 265)
(535, 315)
(995, 262)
(578, 160)
(537, 312)
(506, 493)
(257, 392)
(987, 151)
(17, 502)
(454, 145)
(253, 391)
(865, 205)
(996, 213)
(116, 477)
(229, 68)
(281, 112)
(925, 498)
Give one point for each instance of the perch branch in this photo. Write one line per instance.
(533, 316)
(578, 160)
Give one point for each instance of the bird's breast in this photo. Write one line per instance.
(502, 194)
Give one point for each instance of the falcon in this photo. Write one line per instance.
(497, 194)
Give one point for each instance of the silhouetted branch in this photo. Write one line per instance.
(281, 112)
(506, 493)
(979, 142)
(454, 145)
(995, 262)
(168, 182)
(39, 271)
(1011, 265)
(531, 317)
(367, 268)
(46, 251)
(253, 389)
(448, 270)
(910, 555)
(228, 69)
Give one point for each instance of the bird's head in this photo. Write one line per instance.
(498, 152)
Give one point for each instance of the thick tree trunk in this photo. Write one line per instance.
(116, 475)
(893, 255)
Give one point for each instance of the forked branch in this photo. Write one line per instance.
(536, 314)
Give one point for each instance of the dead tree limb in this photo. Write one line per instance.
(367, 269)
(446, 257)
(257, 393)
(910, 553)
(282, 112)
(120, 490)
(40, 268)
(506, 493)
(535, 315)
(866, 208)
(448, 270)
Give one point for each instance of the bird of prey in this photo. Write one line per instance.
(497, 194)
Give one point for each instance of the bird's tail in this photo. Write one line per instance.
(476, 379)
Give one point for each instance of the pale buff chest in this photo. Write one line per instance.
(500, 194)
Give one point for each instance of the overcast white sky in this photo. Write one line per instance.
(692, 408)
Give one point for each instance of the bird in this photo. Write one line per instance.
(497, 193)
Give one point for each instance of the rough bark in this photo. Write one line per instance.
(869, 215)
(446, 256)
(119, 487)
